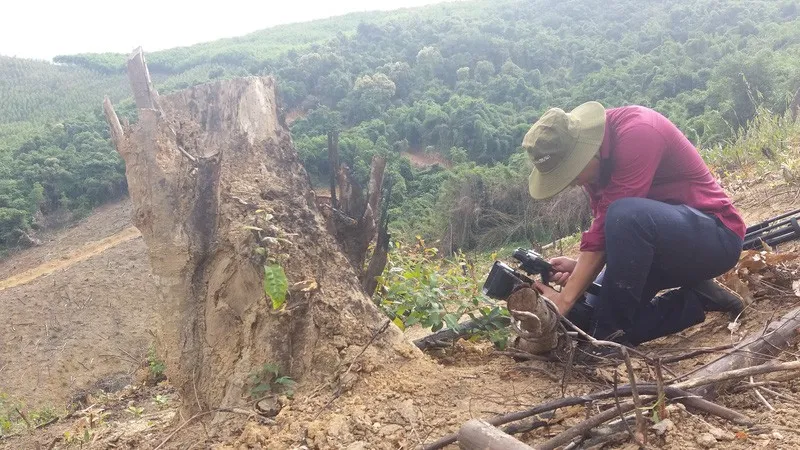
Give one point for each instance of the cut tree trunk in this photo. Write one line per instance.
(219, 194)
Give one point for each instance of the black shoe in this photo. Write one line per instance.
(715, 297)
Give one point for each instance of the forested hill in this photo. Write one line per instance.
(462, 79)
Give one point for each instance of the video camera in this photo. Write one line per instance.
(503, 279)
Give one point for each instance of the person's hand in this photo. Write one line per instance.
(554, 296)
(562, 269)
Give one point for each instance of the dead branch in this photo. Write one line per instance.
(779, 395)
(693, 353)
(600, 343)
(718, 378)
(464, 329)
(671, 392)
(478, 435)
(212, 411)
(25, 418)
(756, 349)
(582, 428)
(761, 397)
(619, 407)
(661, 402)
(641, 426)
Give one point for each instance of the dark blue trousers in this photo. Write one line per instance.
(652, 246)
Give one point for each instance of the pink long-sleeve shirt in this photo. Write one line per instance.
(647, 156)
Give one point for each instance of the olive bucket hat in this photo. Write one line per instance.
(561, 144)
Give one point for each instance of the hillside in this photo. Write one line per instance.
(462, 80)
(75, 363)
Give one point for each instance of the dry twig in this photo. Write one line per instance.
(661, 401)
(761, 397)
(641, 426)
(619, 408)
(671, 392)
(211, 411)
(584, 427)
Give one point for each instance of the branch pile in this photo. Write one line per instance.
(757, 274)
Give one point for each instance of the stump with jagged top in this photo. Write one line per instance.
(219, 194)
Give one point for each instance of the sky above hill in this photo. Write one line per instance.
(42, 29)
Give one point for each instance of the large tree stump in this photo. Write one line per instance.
(219, 193)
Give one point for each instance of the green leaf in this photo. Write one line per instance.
(285, 381)
(399, 323)
(451, 320)
(275, 285)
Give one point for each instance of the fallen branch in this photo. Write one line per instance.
(479, 435)
(717, 378)
(518, 428)
(601, 441)
(761, 397)
(23, 417)
(661, 401)
(755, 350)
(693, 353)
(464, 329)
(211, 411)
(779, 395)
(641, 426)
(582, 428)
(602, 343)
(619, 407)
(671, 392)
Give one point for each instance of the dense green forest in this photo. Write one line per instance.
(464, 80)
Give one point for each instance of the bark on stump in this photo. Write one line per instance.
(537, 322)
(213, 177)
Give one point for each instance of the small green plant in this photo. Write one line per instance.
(14, 415)
(81, 438)
(42, 416)
(160, 400)
(420, 288)
(156, 366)
(135, 410)
(269, 243)
(5, 425)
(268, 380)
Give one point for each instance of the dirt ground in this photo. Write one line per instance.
(76, 325)
(76, 311)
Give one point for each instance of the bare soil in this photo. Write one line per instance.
(76, 311)
(422, 159)
(61, 324)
